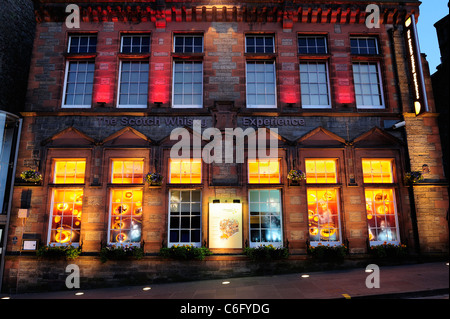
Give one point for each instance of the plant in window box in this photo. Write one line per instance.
(31, 176)
(59, 252)
(185, 252)
(266, 253)
(119, 252)
(296, 176)
(413, 177)
(328, 253)
(153, 179)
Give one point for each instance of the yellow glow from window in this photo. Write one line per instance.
(66, 216)
(186, 171)
(127, 171)
(264, 171)
(69, 172)
(378, 171)
(321, 171)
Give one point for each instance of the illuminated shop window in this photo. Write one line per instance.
(381, 216)
(260, 86)
(323, 216)
(259, 44)
(185, 171)
(321, 171)
(135, 44)
(69, 171)
(368, 88)
(314, 85)
(378, 170)
(264, 171)
(265, 217)
(125, 225)
(127, 171)
(133, 84)
(65, 219)
(78, 84)
(185, 217)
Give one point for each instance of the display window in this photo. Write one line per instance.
(323, 216)
(265, 217)
(264, 171)
(125, 226)
(381, 215)
(65, 219)
(185, 171)
(185, 211)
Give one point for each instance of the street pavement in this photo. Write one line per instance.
(413, 281)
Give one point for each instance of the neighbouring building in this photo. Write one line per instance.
(109, 101)
(17, 23)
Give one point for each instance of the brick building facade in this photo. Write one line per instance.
(104, 99)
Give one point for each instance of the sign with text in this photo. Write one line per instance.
(225, 225)
(415, 67)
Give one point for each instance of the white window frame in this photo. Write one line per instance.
(365, 38)
(52, 205)
(253, 244)
(380, 86)
(132, 36)
(130, 106)
(80, 36)
(397, 229)
(195, 244)
(327, 74)
(194, 106)
(262, 106)
(260, 36)
(123, 160)
(66, 77)
(301, 36)
(339, 227)
(76, 160)
(184, 36)
(110, 214)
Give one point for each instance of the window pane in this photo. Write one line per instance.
(133, 81)
(264, 171)
(260, 84)
(127, 171)
(323, 215)
(378, 171)
(369, 93)
(312, 45)
(126, 216)
(69, 171)
(83, 44)
(188, 84)
(187, 228)
(79, 81)
(185, 171)
(321, 171)
(65, 216)
(265, 217)
(314, 85)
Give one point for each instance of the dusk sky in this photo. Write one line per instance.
(431, 11)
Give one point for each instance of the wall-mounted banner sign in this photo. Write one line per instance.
(225, 225)
(415, 66)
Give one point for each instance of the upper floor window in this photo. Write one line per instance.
(127, 171)
(187, 84)
(259, 44)
(135, 44)
(185, 171)
(264, 171)
(378, 170)
(133, 84)
(312, 45)
(368, 86)
(78, 83)
(314, 85)
(363, 45)
(82, 44)
(321, 171)
(261, 85)
(188, 44)
(69, 171)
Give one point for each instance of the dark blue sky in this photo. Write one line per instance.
(431, 11)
